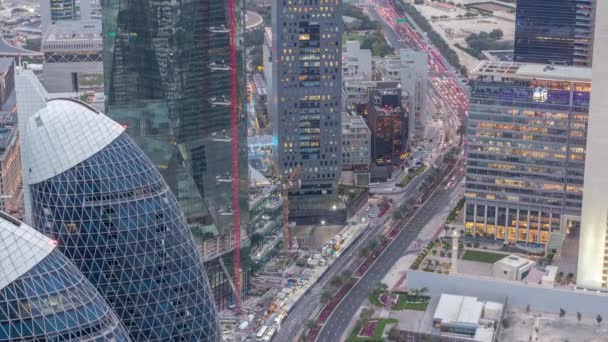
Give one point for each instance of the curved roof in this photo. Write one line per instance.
(62, 135)
(21, 248)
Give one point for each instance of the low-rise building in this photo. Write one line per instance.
(466, 316)
(73, 56)
(512, 268)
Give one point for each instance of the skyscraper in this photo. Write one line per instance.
(169, 69)
(526, 151)
(593, 245)
(307, 89)
(554, 32)
(43, 296)
(94, 191)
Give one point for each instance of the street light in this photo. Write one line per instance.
(322, 222)
(334, 207)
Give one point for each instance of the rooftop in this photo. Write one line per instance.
(533, 71)
(67, 30)
(458, 309)
(5, 63)
(514, 261)
(21, 248)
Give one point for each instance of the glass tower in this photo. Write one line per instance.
(554, 32)
(105, 203)
(526, 142)
(43, 296)
(167, 80)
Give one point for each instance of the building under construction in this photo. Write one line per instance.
(176, 82)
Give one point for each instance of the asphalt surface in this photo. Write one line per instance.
(338, 322)
(305, 308)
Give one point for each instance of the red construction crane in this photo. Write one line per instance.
(234, 139)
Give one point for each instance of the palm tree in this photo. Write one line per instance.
(326, 296)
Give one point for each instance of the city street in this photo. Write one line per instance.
(336, 325)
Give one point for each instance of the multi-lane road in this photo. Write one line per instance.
(338, 322)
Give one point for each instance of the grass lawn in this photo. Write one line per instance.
(411, 176)
(373, 298)
(377, 337)
(403, 304)
(480, 256)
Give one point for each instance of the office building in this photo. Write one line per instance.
(7, 81)
(592, 269)
(307, 76)
(84, 174)
(10, 166)
(556, 32)
(414, 77)
(169, 82)
(356, 143)
(72, 57)
(525, 151)
(388, 122)
(356, 62)
(43, 296)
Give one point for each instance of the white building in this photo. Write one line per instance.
(356, 143)
(512, 268)
(356, 62)
(593, 244)
(466, 316)
(73, 57)
(414, 74)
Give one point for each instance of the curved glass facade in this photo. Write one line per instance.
(53, 301)
(114, 216)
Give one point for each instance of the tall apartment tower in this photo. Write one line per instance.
(167, 74)
(52, 11)
(526, 151)
(593, 244)
(556, 32)
(92, 189)
(307, 92)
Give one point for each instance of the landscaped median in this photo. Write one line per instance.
(371, 330)
(410, 175)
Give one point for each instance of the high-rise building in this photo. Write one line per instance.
(7, 80)
(307, 91)
(43, 296)
(526, 151)
(414, 77)
(91, 189)
(168, 77)
(72, 57)
(388, 122)
(592, 269)
(554, 32)
(356, 62)
(10, 166)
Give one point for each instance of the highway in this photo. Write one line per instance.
(338, 322)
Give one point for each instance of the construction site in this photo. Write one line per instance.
(286, 259)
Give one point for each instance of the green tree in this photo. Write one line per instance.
(496, 34)
(326, 296)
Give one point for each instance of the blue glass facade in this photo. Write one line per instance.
(53, 301)
(114, 216)
(554, 32)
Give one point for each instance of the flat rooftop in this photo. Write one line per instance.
(533, 71)
(67, 30)
(458, 309)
